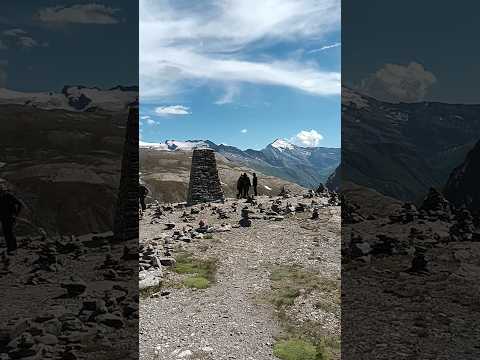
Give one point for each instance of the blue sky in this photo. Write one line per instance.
(242, 73)
(441, 38)
(47, 44)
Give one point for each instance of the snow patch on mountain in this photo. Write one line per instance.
(156, 146)
(282, 144)
(186, 145)
(73, 98)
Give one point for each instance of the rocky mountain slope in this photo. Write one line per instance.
(74, 98)
(64, 165)
(241, 280)
(462, 188)
(167, 175)
(409, 275)
(63, 292)
(402, 149)
(306, 166)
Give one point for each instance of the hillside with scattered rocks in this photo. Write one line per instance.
(69, 298)
(167, 175)
(243, 279)
(410, 278)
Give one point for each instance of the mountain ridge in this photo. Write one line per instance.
(403, 149)
(306, 166)
(74, 98)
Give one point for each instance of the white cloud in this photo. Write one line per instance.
(230, 93)
(395, 83)
(244, 131)
(307, 138)
(79, 14)
(14, 32)
(191, 65)
(151, 122)
(172, 110)
(326, 47)
(186, 46)
(19, 38)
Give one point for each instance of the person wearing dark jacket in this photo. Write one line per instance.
(246, 185)
(240, 187)
(10, 207)
(143, 194)
(255, 183)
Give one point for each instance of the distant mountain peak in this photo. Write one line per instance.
(188, 144)
(304, 166)
(282, 144)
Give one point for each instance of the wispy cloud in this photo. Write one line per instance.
(182, 47)
(244, 131)
(230, 93)
(326, 47)
(79, 14)
(307, 138)
(173, 110)
(18, 38)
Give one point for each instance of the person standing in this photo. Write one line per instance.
(247, 184)
(255, 183)
(240, 187)
(143, 194)
(10, 207)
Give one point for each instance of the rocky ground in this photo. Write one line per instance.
(242, 279)
(410, 280)
(70, 298)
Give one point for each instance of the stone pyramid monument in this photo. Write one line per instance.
(204, 181)
(125, 225)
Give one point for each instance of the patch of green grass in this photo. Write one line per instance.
(328, 306)
(196, 282)
(288, 282)
(202, 270)
(306, 340)
(295, 349)
(285, 297)
(307, 348)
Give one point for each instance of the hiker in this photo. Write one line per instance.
(10, 207)
(143, 194)
(246, 185)
(240, 187)
(254, 183)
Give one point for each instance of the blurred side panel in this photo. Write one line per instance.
(410, 155)
(68, 174)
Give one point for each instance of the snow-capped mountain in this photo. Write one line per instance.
(74, 98)
(401, 149)
(304, 166)
(281, 145)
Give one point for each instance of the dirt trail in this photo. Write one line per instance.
(231, 319)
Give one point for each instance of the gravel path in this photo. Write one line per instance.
(229, 320)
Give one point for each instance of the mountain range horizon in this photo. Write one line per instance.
(174, 144)
(305, 166)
